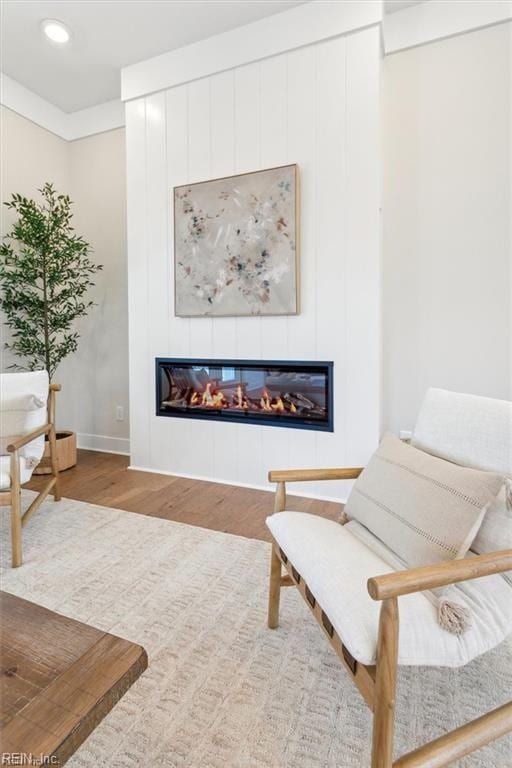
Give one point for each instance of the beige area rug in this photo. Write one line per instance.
(222, 691)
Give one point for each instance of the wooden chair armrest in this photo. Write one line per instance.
(299, 475)
(24, 439)
(439, 575)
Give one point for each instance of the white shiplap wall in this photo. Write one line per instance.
(317, 106)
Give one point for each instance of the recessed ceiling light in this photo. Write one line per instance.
(56, 31)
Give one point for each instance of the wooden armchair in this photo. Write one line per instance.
(27, 416)
(358, 610)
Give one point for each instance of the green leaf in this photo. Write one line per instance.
(45, 273)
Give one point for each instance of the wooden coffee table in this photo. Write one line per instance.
(58, 680)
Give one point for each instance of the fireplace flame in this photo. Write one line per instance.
(265, 401)
(278, 405)
(207, 395)
(219, 400)
(210, 398)
(238, 398)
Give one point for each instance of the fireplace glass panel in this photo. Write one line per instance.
(266, 392)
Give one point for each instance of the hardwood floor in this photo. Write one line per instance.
(104, 479)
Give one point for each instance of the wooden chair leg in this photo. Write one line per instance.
(16, 530)
(385, 686)
(52, 439)
(274, 590)
(280, 498)
(275, 565)
(15, 510)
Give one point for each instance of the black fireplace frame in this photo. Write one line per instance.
(244, 417)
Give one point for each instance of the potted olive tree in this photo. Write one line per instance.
(45, 273)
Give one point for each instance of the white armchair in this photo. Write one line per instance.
(354, 598)
(27, 414)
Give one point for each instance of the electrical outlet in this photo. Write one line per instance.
(405, 435)
(119, 413)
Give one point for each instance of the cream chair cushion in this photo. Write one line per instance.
(467, 429)
(5, 472)
(496, 530)
(23, 408)
(475, 432)
(336, 565)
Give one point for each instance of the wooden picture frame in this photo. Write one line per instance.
(236, 245)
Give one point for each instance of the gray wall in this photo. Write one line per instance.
(97, 376)
(92, 172)
(447, 246)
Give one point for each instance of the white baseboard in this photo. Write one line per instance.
(269, 489)
(103, 443)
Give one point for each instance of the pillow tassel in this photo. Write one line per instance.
(453, 617)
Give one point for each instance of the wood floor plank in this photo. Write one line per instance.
(104, 479)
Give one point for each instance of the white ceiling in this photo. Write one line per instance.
(110, 34)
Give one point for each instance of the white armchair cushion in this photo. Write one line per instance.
(336, 565)
(23, 399)
(19, 405)
(496, 530)
(466, 429)
(26, 469)
(475, 432)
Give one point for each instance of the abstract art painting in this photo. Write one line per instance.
(235, 245)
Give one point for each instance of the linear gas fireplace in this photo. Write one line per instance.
(283, 394)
